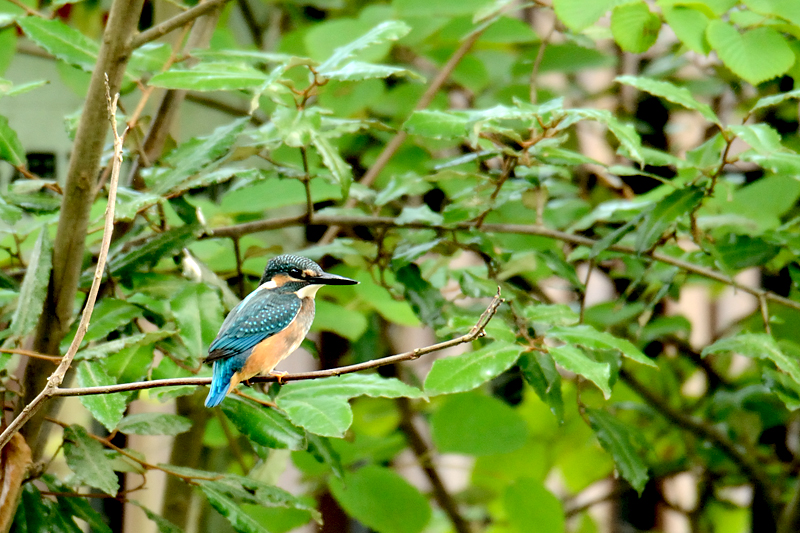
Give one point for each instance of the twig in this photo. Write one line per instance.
(742, 456)
(521, 229)
(173, 24)
(28, 353)
(28, 9)
(425, 100)
(537, 63)
(476, 332)
(422, 452)
(57, 377)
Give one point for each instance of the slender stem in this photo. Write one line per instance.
(57, 377)
(521, 229)
(476, 332)
(421, 450)
(174, 23)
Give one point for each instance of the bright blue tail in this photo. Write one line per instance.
(220, 383)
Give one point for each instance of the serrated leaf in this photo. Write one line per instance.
(358, 71)
(241, 521)
(539, 370)
(262, 425)
(85, 457)
(33, 291)
(198, 313)
(71, 506)
(775, 99)
(756, 55)
(248, 490)
(163, 525)
(103, 349)
(390, 30)
(599, 340)
(64, 42)
(629, 141)
(665, 213)
(634, 27)
(109, 314)
(475, 424)
(437, 124)
(573, 359)
(189, 158)
(210, 77)
(340, 170)
(671, 93)
(154, 424)
(148, 254)
(620, 440)
(757, 346)
(465, 372)
(689, 25)
(321, 405)
(761, 137)
(106, 408)
(554, 314)
(11, 149)
(382, 500)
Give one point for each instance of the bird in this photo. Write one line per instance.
(268, 325)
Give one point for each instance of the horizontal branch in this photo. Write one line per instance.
(174, 23)
(520, 229)
(478, 330)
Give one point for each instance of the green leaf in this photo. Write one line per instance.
(689, 25)
(109, 314)
(86, 458)
(248, 490)
(761, 137)
(241, 521)
(528, 502)
(599, 340)
(381, 500)
(198, 313)
(415, 215)
(262, 425)
(105, 349)
(192, 156)
(665, 213)
(475, 424)
(629, 141)
(321, 405)
(736, 252)
(775, 99)
(579, 14)
(64, 42)
(163, 525)
(757, 55)
(620, 440)
(340, 170)
(358, 71)
(634, 27)
(671, 93)
(33, 291)
(106, 408)
(210, 77)
(555, 314)
(573, 359)
(539, 370)
(11, 149)
(757, 346)
(465, 372)
(424, 298)
(437, 124)
(786, 9)
(144, 256)
(154, 424)
(390, 30)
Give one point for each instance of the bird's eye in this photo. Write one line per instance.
(296, 273)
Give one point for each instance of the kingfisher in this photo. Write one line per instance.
(269, 324)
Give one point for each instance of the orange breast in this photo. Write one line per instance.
(272, 350)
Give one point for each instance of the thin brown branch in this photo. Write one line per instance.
(174, 23)
(476, 332)
(421, 450)
(520, 229)
(424, 101)
(57, 377)
(28, 9)
(745, 458)
(537, 63)
(28, 353)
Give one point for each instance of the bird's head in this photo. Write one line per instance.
(299, 274)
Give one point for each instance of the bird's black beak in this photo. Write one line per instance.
(332, 279)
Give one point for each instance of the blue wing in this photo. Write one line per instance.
(259, 316)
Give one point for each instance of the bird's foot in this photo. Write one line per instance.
(279, 376)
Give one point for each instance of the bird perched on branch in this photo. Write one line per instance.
(269, 324)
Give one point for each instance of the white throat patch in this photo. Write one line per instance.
(309, 291)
